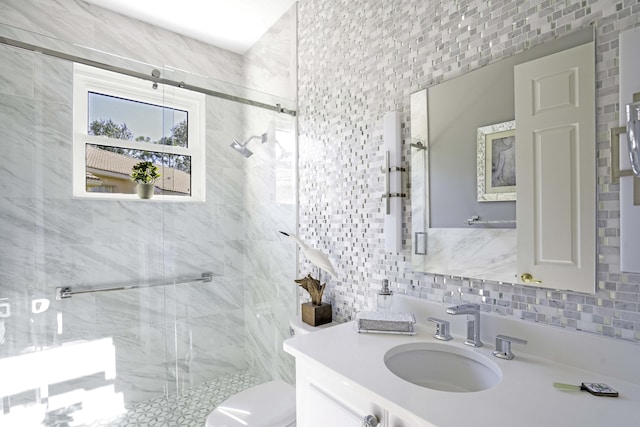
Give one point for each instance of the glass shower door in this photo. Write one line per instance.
(84, 358)
(103, 317)
(58, 365)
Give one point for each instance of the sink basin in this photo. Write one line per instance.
(443, 367)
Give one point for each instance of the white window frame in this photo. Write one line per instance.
(90, 79)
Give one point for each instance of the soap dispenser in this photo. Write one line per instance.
(385, 297)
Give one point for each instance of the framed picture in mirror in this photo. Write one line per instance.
(496, 162)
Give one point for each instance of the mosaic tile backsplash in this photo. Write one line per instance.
(361, 58)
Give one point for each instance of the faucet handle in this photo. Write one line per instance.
(442, 329)
(503, 346)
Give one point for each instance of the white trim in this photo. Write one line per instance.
(89, 79)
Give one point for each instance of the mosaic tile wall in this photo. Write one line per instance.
(361, 58)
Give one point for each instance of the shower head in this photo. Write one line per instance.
(240, 148)
(263, 138)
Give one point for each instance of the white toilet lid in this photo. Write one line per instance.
(271, 404)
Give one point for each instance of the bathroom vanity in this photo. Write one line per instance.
(343, 376)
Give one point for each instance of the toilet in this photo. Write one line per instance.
(271, 404)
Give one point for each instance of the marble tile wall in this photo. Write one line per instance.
(169, 338)
(359, 59)
(271, 62)
(101, 32)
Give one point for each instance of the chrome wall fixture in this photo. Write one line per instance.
(420, 242)
(66, 292)
(242, 147)
(633, 142)
(419, 145)
(393, 183)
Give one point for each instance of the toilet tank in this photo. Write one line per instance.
(298, 327)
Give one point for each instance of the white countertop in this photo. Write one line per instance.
(524, 397)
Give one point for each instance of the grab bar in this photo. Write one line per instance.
(476, 220)
(66, 292)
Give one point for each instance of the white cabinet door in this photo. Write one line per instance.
(325, 399)
(555, 177)
(326, 410)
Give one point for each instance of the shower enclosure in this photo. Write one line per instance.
(120, 311)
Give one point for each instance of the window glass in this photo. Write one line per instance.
(136, 121)
(108, 170)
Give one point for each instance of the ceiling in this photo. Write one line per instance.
(234, 25)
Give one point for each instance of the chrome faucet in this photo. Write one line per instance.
(473, 324)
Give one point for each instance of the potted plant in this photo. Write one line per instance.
(145, 174)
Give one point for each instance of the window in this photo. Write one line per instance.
(120, 120)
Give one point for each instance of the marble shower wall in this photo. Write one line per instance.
(167, 338)
(100, 33)
(359, 59)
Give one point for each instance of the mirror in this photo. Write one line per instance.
(633, 136)
(462, 130)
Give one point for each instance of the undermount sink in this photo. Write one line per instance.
(443, 367)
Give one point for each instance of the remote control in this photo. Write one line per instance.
(599, 389)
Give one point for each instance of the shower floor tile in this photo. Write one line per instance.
(188, 409)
